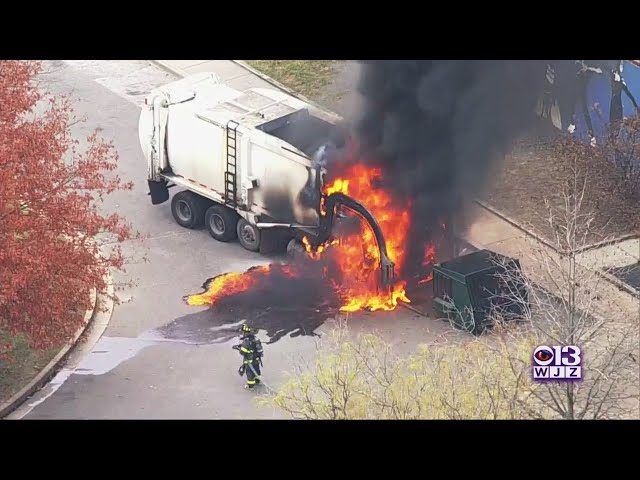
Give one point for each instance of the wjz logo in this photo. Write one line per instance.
(563, 363)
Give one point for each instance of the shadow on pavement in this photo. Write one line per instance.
(629, 274)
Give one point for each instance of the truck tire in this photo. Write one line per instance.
(295, 249)
(248, 235)
(221, 223)
(188, 209)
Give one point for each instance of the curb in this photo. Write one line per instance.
(334, 116)
(618, 283)
(604, 275)
(515, 224)
(520, 227)
(83, 345)
(168, 68)
(50, 369)
(273, 82)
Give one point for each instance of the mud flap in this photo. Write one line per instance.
(274, 240)
(158, 191)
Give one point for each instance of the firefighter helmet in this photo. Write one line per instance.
(246, 330)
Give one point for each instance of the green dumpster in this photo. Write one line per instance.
(467, 289)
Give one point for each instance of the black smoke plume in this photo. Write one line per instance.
(436, 127)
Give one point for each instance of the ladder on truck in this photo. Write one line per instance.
(230, 181)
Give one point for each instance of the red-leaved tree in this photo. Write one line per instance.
(50, 189)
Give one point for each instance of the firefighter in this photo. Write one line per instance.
(251, 351)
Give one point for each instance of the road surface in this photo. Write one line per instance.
(160, 358)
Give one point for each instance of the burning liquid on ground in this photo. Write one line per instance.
(347, 266)
(232, 283)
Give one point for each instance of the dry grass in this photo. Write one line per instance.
(307, 77)
(22, 366)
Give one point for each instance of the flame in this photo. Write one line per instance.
(317, 253)
(356, 254)
(392, 217)
(376, 302)
(340, 185)
(350, 260)
(429, 259)
(233, 282)
(429, 254)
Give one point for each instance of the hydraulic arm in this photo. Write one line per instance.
(332, 202)
(387, 274)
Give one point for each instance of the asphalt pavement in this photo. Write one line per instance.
(160, 358)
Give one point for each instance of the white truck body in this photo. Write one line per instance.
(184, 134)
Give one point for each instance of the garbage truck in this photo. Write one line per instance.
(247, 162)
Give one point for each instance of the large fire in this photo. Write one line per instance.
(357, 253)
(350, 261)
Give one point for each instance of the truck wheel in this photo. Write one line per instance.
(295, 248)
(248, 235)
(188, 209)
(221, 223)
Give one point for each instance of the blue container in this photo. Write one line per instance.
(599, 94)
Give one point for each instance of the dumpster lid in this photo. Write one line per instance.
(474, 262)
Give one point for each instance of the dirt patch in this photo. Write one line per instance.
(533, 172)
(23, 366)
